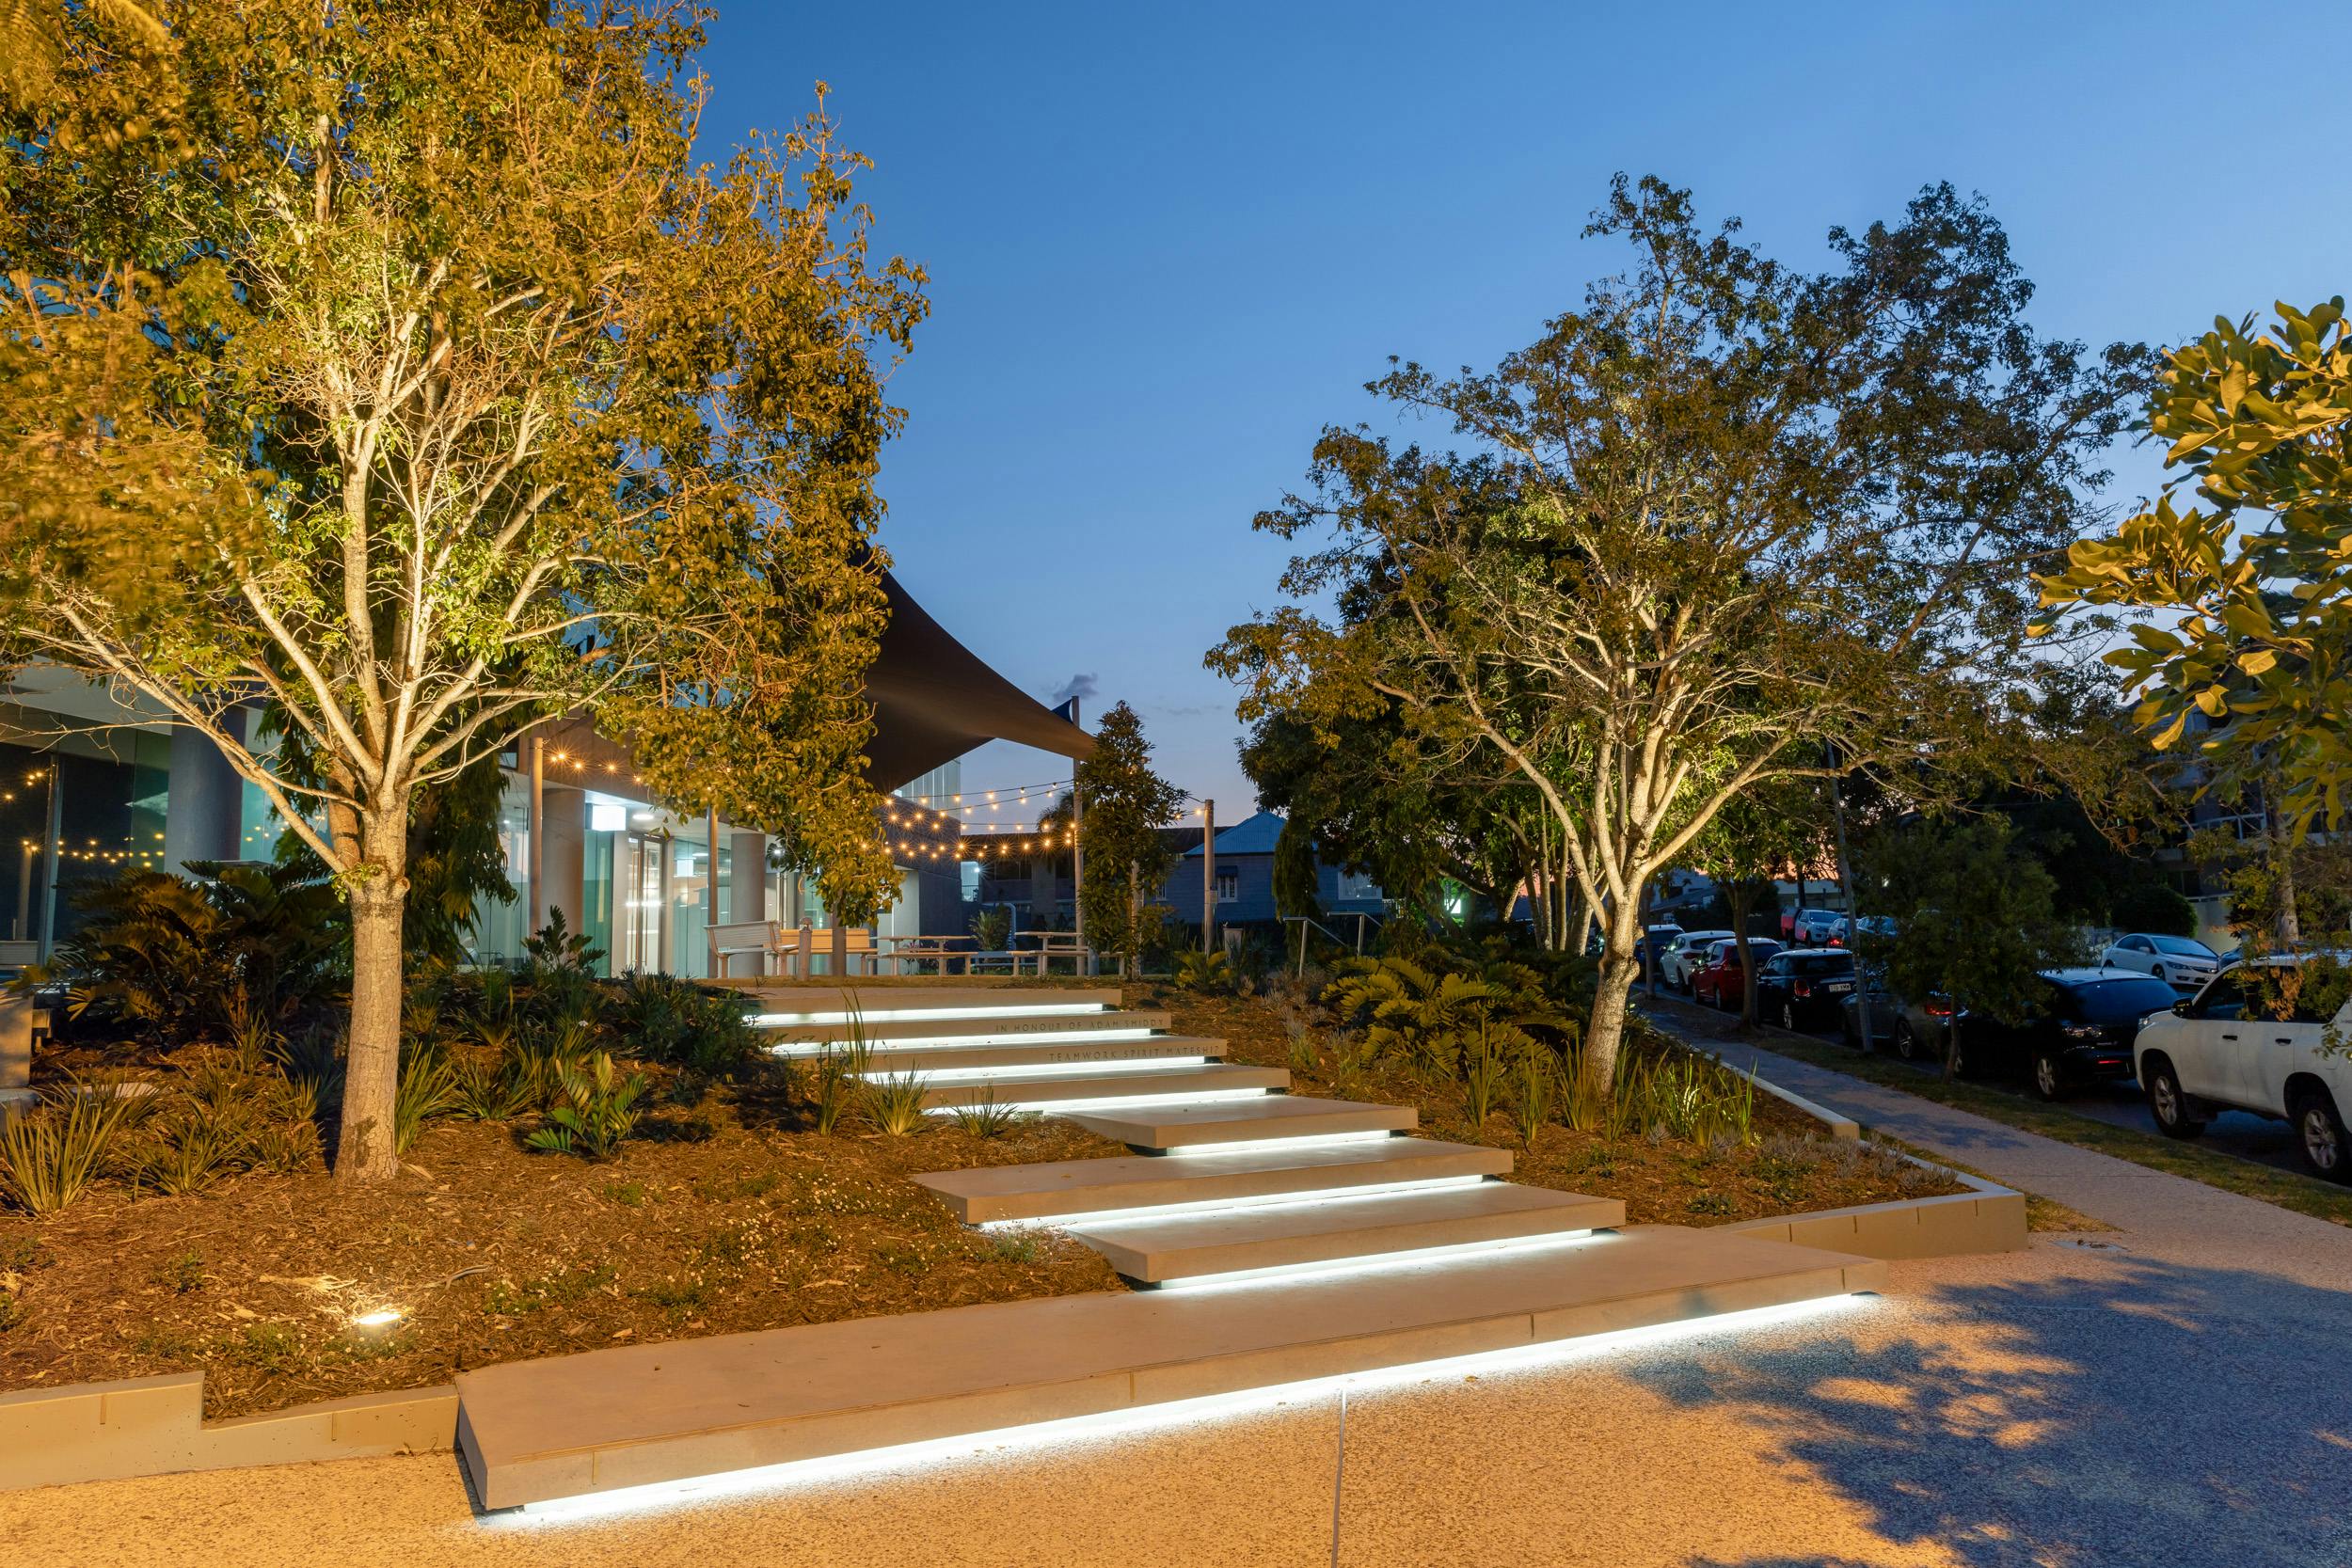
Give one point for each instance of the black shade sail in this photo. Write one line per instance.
(934, 699)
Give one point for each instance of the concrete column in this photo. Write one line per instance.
(538, 895)
(561, 854)
(747, 895)
(205, 798)
(710, 882)
(666, 847)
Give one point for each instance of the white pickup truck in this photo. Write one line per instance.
(2226, 1047)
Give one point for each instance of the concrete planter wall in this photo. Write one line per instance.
(1986, 1218)
(150, 1426)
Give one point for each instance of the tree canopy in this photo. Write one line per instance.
(1723, 516)
(2246, 650)
(405, 374)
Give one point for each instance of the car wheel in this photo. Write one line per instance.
(2050, 1082)
(1906, 1043)
(1788, 1016)
(2320, 1136)
(2168, 1102)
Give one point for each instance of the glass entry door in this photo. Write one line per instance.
(637, 932)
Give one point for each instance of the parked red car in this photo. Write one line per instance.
(1720, 982)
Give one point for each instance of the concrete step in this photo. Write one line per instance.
(1154, 1249)
(575, 1427)
(1056, 1191)
(776, 1006)
(1039, 1052)
(1178, 1083)
(1246, 1121)
(1003, 1028)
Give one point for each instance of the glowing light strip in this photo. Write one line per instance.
(1225, 1205)
(1258, 1146)
(928, 1042)
(1027, 1009)
(1111, 1423)
(1289, 1273)
(1106, 1102)
(951, 1076)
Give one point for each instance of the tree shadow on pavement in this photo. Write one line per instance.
(2138, 1414)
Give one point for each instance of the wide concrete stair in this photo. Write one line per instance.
(1274, 1238)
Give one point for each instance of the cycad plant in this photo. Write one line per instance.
(1411, 1012)
(1209, 974)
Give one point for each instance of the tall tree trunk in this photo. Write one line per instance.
(365, 1148)
(1618, 967)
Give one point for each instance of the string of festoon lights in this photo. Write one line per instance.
(928, 835)
(96, 852)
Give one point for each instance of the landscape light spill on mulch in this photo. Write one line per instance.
(491, 1254)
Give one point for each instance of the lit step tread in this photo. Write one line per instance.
(1154, 1250)
(570, 1426)
(1245, 1122)
(784, 1002)
(1175, 1082)
(1007, 1027)
(1051, 1189)
(943, 1058)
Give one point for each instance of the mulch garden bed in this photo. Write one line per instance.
(713, 1224)
(720, 1216)
(1792, 1167)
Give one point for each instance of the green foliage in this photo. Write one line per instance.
(596, 1109)
(242, 952)
(2152, 906)
(1534, 1085)
(428, 1089)
(988, 1120)
(1672, 1094)
(1127, 863)
(894, 1102)
(1485, 1068)
(1976, 920)
(1409, 1012)
(1208, 973)
(426, 422)
(1297, 875)
(2249, 609)
(702, 1028)
(50, 1154)
(991, 927)
(1722, 514)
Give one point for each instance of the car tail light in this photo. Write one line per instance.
(1939, 1010)
(1802, 988)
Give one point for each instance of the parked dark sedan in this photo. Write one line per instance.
(2081, 1031)
(1802, 988)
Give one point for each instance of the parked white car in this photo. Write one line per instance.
(2227, 1048)
(2183, 961)
(1685, 955)
(1816, 927)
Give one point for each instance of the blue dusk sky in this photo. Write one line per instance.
(1168, 243)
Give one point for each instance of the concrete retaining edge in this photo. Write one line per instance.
(151, 1426)
(155, 1426)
